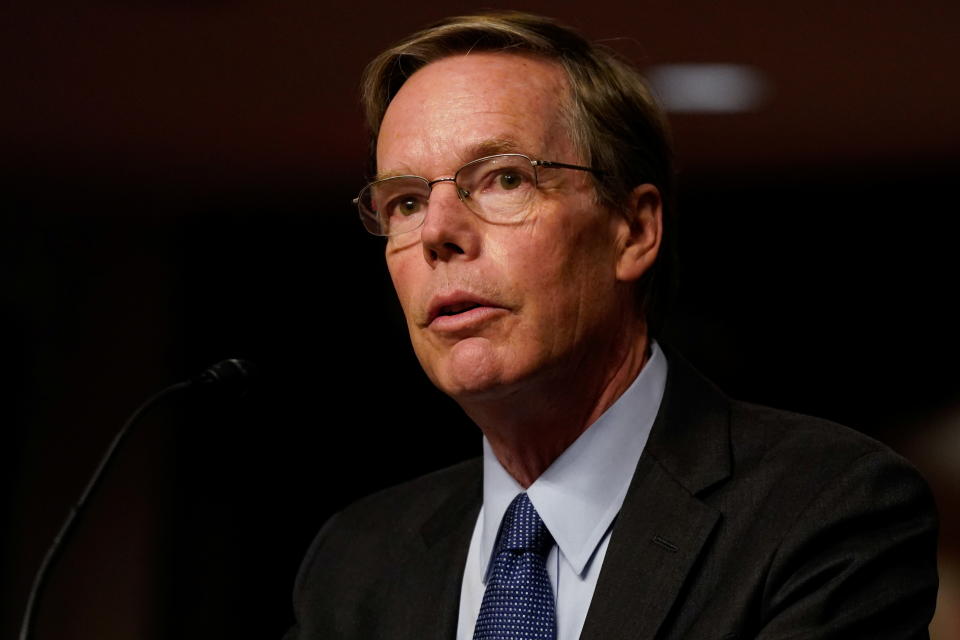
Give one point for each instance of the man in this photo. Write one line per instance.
(523, 180)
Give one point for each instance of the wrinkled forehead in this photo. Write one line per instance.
(466, 106)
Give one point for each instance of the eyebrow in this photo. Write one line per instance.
(489, 147)
(482, 149)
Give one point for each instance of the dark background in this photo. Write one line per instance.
(176, 184)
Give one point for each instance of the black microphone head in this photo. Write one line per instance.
(233, 373)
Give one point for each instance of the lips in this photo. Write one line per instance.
(457, 309)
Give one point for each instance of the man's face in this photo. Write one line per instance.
(492, 307)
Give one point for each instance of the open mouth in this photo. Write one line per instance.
(450, 308)
(457, 309)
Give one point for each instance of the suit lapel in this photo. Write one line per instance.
(423, 596)
(653, 545)
(663, 526)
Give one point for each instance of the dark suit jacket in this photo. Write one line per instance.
(740, 522)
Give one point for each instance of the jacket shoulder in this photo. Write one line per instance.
(411, 504)
(361, 544)
(805, 447)
(821, 530)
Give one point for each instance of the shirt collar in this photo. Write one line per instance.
(580, 494)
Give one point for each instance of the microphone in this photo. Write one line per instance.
(231, 375)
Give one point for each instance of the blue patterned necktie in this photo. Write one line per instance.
(518, 602)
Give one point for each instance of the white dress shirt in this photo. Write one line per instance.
(577, 497)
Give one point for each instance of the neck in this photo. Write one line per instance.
(529, 427)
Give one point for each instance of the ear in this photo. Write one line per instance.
(639, 233)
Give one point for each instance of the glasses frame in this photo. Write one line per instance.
(371, 219)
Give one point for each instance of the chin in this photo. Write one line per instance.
(469, 384)
(471, 369)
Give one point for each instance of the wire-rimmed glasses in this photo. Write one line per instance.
(498, 188)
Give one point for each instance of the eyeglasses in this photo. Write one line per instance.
(498, 189)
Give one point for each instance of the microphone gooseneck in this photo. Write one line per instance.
(232, 373)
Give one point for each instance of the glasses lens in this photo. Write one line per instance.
(499, 188)
(395, 205)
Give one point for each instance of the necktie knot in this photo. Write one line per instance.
(523, 530)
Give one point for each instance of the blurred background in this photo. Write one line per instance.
(176, 185)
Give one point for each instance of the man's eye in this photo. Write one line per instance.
(405, 206)
(509, 180)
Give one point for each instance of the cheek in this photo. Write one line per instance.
(567, 257)
(539, 253)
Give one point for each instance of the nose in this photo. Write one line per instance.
(450, 230)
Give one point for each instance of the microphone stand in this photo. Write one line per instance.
(228, 372)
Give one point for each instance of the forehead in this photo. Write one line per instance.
(462, 107)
